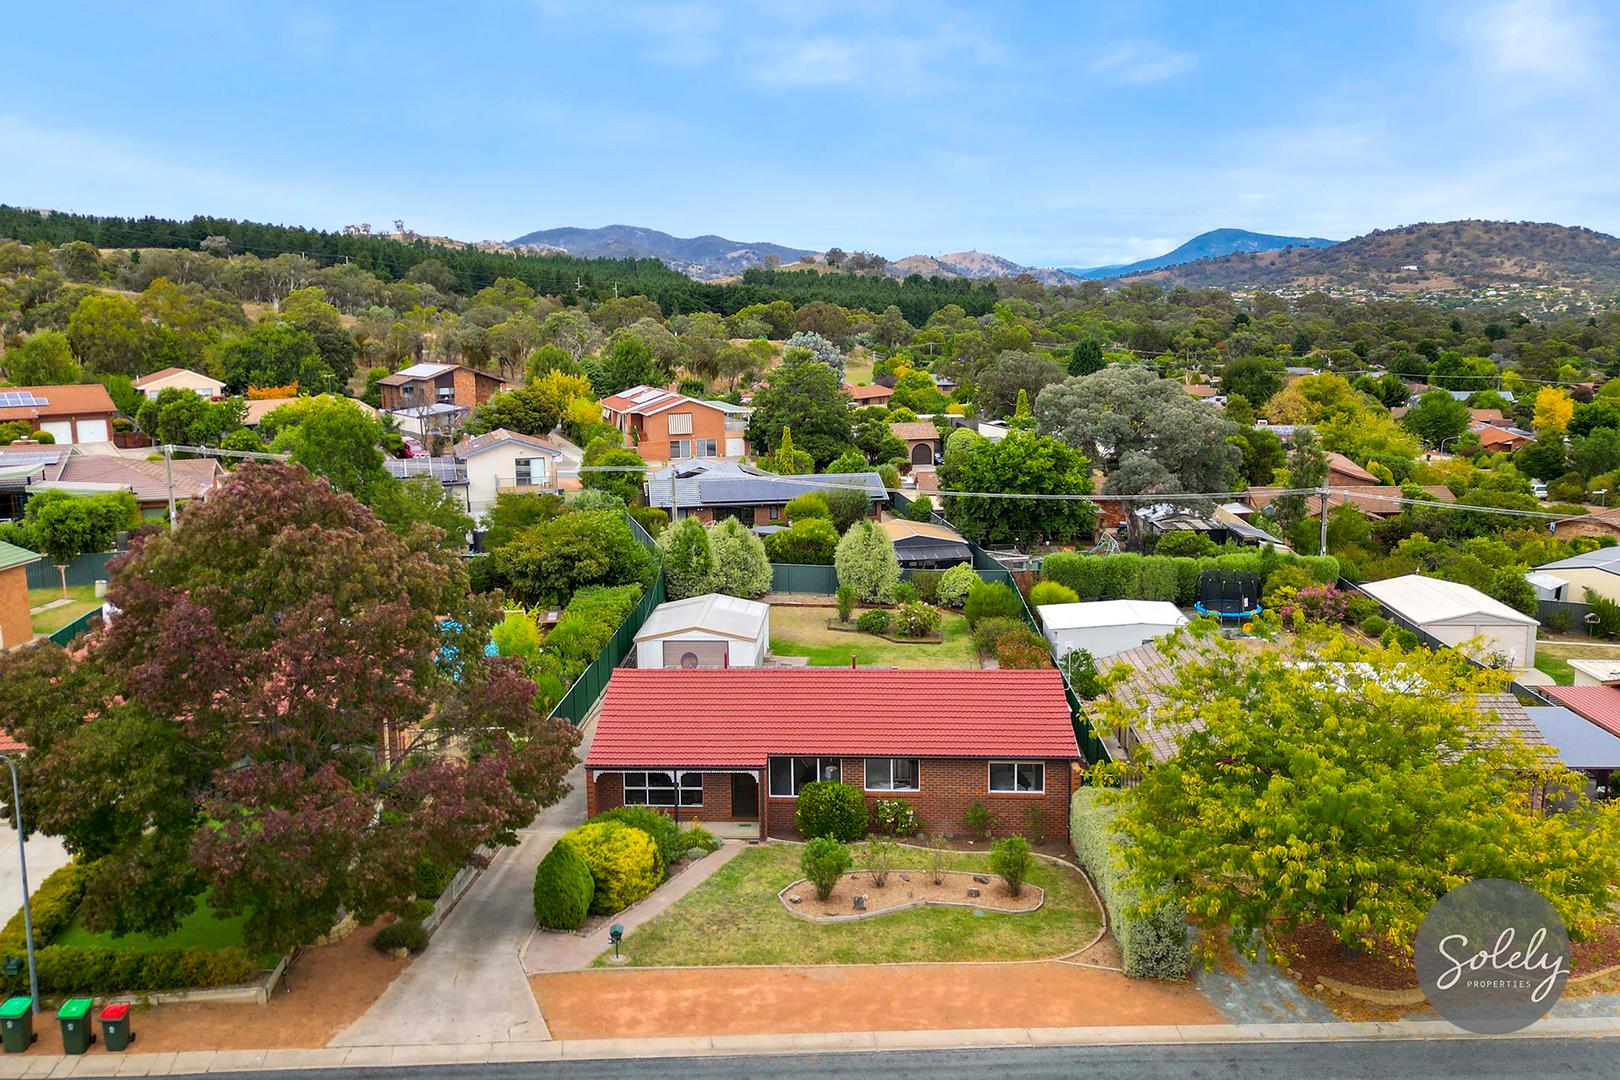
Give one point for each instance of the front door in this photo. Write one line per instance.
(744, 796)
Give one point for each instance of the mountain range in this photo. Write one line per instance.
(701, 257)
(1209, 245)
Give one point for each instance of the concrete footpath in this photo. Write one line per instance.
(479, 1053)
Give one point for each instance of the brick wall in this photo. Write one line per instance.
(608, 792)
(16, 625)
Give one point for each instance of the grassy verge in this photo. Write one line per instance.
(802, 631)
(735, 918)
(82, 598)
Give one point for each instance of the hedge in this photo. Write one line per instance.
(586, 625)
(661, 827)
(623, 862)
(828, 808)
(1155, 945)
(53, 906)
(563, 888)
(1129, 576)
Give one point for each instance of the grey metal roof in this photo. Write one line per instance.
(1580, 743)
(930, 549)
(1603, 558)
(726, 483)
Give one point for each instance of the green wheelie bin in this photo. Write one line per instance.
(74, 1016)
(17, 1024)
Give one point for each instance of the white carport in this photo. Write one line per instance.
(1457, 613)
(1106, 627)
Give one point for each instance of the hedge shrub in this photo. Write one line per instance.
(53, 904)
(1154, 945)
(563, 889)
(623, 862)
(875, 621)
(661, 827)
(955, 584)
(1010, 859)
(990, 600)
(402, 934)
(586, 625)
(926, 582)
(824, 860)
(1128, 576)
(1051, 592)
(829, 808)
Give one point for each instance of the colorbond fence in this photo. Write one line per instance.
(82, 625)
(85, 570)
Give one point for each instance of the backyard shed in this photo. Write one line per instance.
(708, 631)
(924, 545)
(1455, 613)
(1106, 627)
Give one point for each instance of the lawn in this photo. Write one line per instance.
(735, 918)
(1556, 667)
(802, 631)
(202, 929)
(82, 599)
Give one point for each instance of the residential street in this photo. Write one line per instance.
(1446, 1059)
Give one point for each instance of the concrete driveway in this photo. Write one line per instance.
(469, 986)
(45, 855)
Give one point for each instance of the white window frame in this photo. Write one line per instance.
(1014, 762)
(679, 787)
(699, 445)
(680, 423)
(817, 758)
(680, 449)
(866, 779)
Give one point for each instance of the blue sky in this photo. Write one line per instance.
(1053, 134)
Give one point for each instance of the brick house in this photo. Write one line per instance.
(16, 624)
(662, 425)
(80, 413)
(874, 394)
(711, 490)
(924, 444)
(431, 400)
(731, 747)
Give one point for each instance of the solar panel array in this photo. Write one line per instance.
(10, 399)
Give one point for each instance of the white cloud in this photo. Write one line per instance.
(1551, 42)
(1135, 62)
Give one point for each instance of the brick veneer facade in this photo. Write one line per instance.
(947, 787)
(16, 624)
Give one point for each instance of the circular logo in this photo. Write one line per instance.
(1492, 956)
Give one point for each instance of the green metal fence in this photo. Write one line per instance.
(85, 570)
(801, 578)
(82, 625)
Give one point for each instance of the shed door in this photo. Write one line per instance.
(695, 654)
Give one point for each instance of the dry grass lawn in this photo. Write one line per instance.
(802, 631)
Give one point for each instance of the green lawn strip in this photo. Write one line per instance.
(832, 648)
(202, 929)
(82, 597)
(735, 918)
(1557, 667)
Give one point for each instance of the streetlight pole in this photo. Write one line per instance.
(22, 856)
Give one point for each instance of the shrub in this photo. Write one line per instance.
(651, 519)
(741, 567)
(808, 542)
(956, 583)
(563, 888)
(661, 827)
(988, 634)
(1153, 938)
(1285, 577)
(100, 972)
(978, 820)
(926, 582)
(812, 504)
(1186, 543)
(1315, 603)
(1374, 626)
(1560, 622)
(1052, 592)
(988, 600)
(824, 860)
(1010, 858)
(432, 878)
(415, 909)
(846, 602)
(1357, 608)
(53, 906)
(698, 838)
(865, 559)
(905, 592)
(915, 619)
(829, 808)
(896, 817)
(402, 934)
(586, 625)
(1399, 636)
(623, 862)
(880, 860)
(875, 621)
(1013, 654)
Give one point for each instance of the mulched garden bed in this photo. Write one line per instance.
(937, 637)
(909, 888)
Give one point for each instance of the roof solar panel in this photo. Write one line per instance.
(16, 398)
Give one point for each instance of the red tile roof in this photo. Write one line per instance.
(1599, 704)
(737, 717)
(874, 392)
(8, 745)
(78, 399)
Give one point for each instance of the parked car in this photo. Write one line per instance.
(1538, 489)
(412, 447)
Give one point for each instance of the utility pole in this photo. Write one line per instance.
(168, 472)
(22, 856)
(1323, 548)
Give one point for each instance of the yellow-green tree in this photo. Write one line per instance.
(1554, 409)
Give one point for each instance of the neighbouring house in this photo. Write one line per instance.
(1374, 500)
(662, 425)
(434, 399)
(1595, 672)
(1501, 439)
(924, 545)
(256, 409)
(81, 413)
(875, 394)
(1202, 391)
(178, 378)
(924, 444)
(994, 430)
(1598, 570)
(1106, 627)
(503, 460)
(732, 748)
(1601, 522)
(148, 481)
(16, 624)
(23, 463)
(709, 631)
(1456, 613)
(1342, 472)
(1581, 745)
(711, 490)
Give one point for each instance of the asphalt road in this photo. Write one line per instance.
(1450, 1059)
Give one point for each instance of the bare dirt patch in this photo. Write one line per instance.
(643, 1003)
(325, 991)
(909, 888)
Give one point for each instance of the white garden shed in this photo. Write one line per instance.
(1106, 627)
(708, 631)
(1456, 613)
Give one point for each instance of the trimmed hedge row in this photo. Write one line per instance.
(53, 906)
(1154, 946)
(1129, 576)
(586, 625)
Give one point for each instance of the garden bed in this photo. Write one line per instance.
(936, 638)
(903, 891)
(803, 631)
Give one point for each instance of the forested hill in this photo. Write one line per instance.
(473, 268)
(1449, 256)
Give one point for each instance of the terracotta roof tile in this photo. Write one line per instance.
(737, 717)
(915, 429)
(79, 399)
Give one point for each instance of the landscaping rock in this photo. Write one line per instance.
(981, 879)
(973, 892)
(795, 899)
(860, 903)
(905, 877)
(695, 853)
